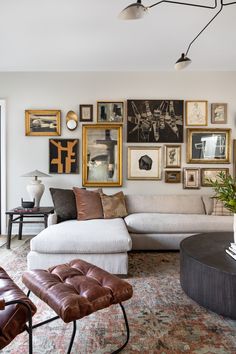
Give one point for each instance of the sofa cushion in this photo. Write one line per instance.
(171, 204)
(177, 223)
(219, 208)
(208, 204)
(64, 203)
(88, 204)
(113, 205)
(91, 236)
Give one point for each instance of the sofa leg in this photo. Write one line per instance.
(127, 331)
(72, 337)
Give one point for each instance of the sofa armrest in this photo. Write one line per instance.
(52, 219)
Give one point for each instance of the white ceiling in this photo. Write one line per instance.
(76, 35)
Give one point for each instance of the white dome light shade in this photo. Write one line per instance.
(182, 62)
(134, 11)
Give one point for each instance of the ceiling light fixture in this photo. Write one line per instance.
(138, 10)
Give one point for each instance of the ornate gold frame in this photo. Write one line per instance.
(104, 127)
(203, 170)
(186, 113)
(179, 148)
(190, 131)
(56, 113)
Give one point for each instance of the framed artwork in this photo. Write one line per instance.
(86, 113)
(172, 176)
(64, 156)
(144, 163)
(211, 174)
(172, 156)
(42, 122)
(155, 121)
(234, 158)
(219, 113)
(208, 145)
(191, 178)
(102, 155)
(196, 113)
(110, 112)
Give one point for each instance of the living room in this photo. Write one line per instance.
(134, 146)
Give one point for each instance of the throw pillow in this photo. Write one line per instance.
(88, 204)
(219, 208)
(64, 204)
(113, 205)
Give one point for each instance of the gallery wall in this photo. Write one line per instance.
(65, 91)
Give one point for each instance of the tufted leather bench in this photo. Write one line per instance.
(76, 290)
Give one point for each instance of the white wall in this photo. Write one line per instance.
(65, 91)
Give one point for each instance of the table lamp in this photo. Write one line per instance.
(35, 188)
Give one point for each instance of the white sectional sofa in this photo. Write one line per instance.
(154, 222)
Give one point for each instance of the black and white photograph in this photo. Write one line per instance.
(144, 163)
(110, 112)
(102, 155)
(208, 145)
(42, 122)
(151, 121)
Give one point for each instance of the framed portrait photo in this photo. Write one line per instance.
(207, 146)
(211, 174)
(42, 122)
(102, 155)
(196, 113)
(63, 156)
(144, 163)
(219, 113)
(172, 156)
(191, 178)
(86, 113)
(110, 112)
(172, 176)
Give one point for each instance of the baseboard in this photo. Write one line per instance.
(28, 229)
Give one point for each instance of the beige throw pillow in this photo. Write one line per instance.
(219, 209)
(113, 205)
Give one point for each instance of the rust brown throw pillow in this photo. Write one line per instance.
(88, 204)
(113, 205)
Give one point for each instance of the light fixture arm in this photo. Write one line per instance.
(183, 3)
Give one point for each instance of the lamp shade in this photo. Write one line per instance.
(134, 11)
(182, 62)
(35, 173)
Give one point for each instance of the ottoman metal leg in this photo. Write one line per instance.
(127, 330)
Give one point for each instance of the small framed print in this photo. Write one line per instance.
(196, 113)
(172, 176)
(42, 122)
(86, 113)
(191, 178)
(172, 156)
(211, 174)
(219, 113)
(110, 112)
(144, 163)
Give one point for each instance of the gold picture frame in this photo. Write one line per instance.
(172, 156)
(196, 113)
(208, 146)
(191, 179)
(42, 122)
(102, 155)
(110, 112)
(144, 163)
(211, 173)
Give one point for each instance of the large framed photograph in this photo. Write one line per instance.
(208, 174)
(144, 163)
(102, 155)
(191, 178)
(155, 121)
(110, 112)
(172, 176)
(196, 113)
(86, 113)
(42, 122)
(172, 156)
(219, 113)
(208, 145)
(63, 156)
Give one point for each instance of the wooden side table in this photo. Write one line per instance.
(17, 216)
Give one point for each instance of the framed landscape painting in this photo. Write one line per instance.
(191, 178)
(102, 155)
(172, 176)
(211, 174)
(209, 145)
(172, 156)
(64, 156)
(42, 122)
(144, 163)
(110, 112)
(155, 121)
(196, 113)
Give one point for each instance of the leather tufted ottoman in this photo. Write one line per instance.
(76, 290)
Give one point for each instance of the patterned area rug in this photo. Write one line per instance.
(162, 318)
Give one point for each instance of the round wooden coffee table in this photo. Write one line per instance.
(208, 273)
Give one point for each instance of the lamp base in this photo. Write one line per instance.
(35, 190)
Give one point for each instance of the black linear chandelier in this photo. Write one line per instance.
(137, 10)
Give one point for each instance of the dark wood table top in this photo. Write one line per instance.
(33, 211)
(209, 249)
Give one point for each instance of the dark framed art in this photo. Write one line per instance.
(151, 121)
(110, 112)
(86, 113)
(211, 174)
(42, 122)
(172, 176)
(102, 155)
(191, 179)
(63, 156)
(207, 146)
(219, 113)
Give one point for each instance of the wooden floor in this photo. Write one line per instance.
(14, 241)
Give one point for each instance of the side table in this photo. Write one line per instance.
(17, 216)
